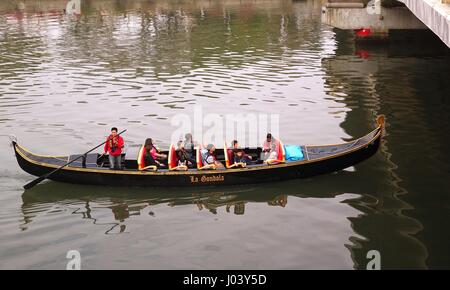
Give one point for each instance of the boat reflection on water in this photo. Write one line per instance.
(127, 202)
(274, 194)
(371, 226)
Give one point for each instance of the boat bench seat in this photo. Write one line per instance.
(91, 160)
(130, 160)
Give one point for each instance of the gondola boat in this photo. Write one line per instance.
(93, 168)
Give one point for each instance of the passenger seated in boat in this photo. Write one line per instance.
(189, 146)
(151, 155)
(270, 148)
(145, 158)
(239, 156)
(209, 158)
(184, 157)
(273, 151)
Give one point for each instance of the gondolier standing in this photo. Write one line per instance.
(113, 146)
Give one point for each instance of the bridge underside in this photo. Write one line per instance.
(381, 16)
(435, 14)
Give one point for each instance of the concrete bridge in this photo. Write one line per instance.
(380, 16)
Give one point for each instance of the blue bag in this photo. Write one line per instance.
(293, 153)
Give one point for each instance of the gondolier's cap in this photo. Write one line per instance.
(210, 146)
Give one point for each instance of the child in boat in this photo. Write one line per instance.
(209, 158)
(239, 156)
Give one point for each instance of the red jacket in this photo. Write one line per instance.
(116, 142)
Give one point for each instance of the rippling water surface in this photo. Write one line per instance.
(65, 79)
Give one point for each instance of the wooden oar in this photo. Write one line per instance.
(47, 175)
(100, 157)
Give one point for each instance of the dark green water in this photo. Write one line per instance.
(65, 80)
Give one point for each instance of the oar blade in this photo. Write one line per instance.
(34, 182)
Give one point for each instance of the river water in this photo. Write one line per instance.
(66, 78)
